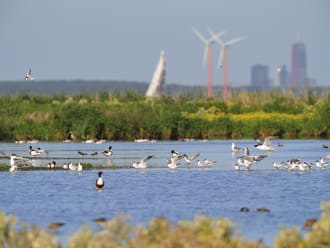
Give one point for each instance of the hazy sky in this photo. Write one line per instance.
(121, 40)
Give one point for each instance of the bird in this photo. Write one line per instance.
(65, 166)
(94, 154)
(99, 183)
(325, 146)
(72, 167)
(28, 75)
(277, 165)
(82, 153)
(265, 146)
(176, 154)
(33, 152)
(173, 163)
(189, 159)
(51, 165)
(142, 164)
(235, 148)
(205, 163)
(55, 225)
(13, 168)
(79, 167)
(40, 150)
(108, 152)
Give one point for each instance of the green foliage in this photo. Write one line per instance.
(200, 232)
(129, 115)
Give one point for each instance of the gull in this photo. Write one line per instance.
(72, 167)
(237, 167)
(33, 152)
(142, 164)
(265, 146)
(28, 75)
(13, 168)
(250, 157)
(79, 167)
(173, 163)
(327, 157)
(277, 165)
(189, 159)
(321, 163)
(108, 152)
(65, 166)
(235, 148)
(205, 163)
(176, 154)
(304, 166)
(99, 183)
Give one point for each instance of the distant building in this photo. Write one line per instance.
(299, 76)
(260, 76)
(156, 87)
(281, 77)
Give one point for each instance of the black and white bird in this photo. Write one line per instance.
(99, 183)
(108, 152)
(33, 152)
(190, 158)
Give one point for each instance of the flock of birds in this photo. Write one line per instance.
(243, 162)
(294, 164)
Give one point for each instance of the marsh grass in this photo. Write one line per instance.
(159, 232)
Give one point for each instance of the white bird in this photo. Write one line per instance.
(277, 165)
(28, 75)
(265, 146)
(321, 163)
(189, 158)
(65, 166)
(51, 165)
(72, 167)
(327, 157)
(235, 148)
(173, 163)
(107, 152)
(142, 164)
(13, 168)
(79, 167)
(205, 163)
(237, 167)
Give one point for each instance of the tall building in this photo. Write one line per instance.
(281, 78)
(298, 66)
(260, 76)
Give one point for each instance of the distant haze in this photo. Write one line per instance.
(121, 40)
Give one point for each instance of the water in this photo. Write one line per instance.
(42, 197)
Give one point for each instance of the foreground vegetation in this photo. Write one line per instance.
(201, 232)
(129, 115)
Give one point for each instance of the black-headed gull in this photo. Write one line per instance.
(142, 164)
(265, 146)
(189, 158)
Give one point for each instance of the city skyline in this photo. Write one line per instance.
(111, 40)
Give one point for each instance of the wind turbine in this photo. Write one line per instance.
(223, 60)
(208, 56)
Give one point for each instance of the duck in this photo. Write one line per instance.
(108, 152)
(51, 165)
(99, 183)
(33, 152)
(142, 164)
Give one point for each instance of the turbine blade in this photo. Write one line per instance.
(220, 61)
(233, 41)
(200, 36)
(216, 36)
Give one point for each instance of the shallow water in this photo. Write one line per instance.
(42, 197)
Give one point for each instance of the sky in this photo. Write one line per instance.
(122, 40)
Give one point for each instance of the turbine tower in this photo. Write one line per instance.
(223, 60)
(208, 56)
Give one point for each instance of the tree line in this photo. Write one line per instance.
(130, 115)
